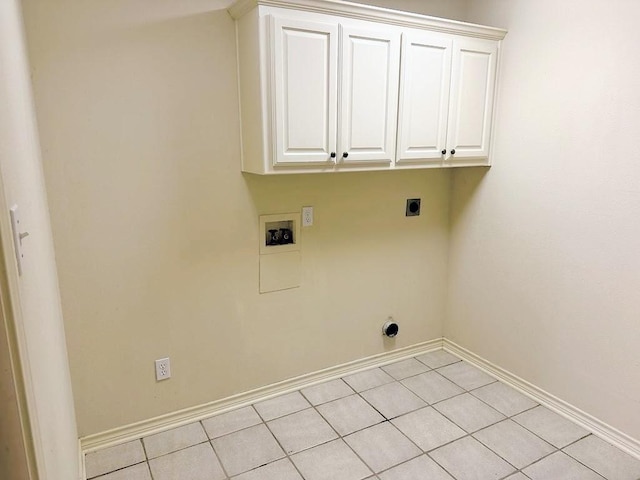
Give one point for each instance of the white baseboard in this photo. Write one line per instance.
(182, 417)
(193, 414)
(608, 433)
(83, 470)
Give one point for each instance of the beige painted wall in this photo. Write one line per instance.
(545, 266)
(156, 229)
(31, 303)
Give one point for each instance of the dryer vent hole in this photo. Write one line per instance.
(390, 329)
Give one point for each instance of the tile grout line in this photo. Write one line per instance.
(340, 437)
(284, 450)
(427, 405)
(289, 455)
(375, 474)
(210, 440)
(518, 470)
(431, 405)
(96, 477)
(560, 450)
(311, 406)
(556, 449)
(262, 422)
(574, 458)
(471, 434)
(146, 456)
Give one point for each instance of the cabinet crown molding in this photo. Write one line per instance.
(378, 14)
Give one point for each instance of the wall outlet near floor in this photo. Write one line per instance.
(307, 216)
(163, 369)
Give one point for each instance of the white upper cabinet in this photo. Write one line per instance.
(424, 97)
(369, 95)
(473, 78)
(330, 86)
(305, 61)
(447, 89)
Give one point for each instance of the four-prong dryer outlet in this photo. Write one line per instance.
(413, 207)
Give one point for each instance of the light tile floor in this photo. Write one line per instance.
(431, 417)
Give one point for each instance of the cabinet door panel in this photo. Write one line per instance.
(369, 95)
(305, 61)
(424, 97)
(472, 91)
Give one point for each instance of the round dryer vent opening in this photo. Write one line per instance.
(390, 328)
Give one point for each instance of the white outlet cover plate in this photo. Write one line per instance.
(307, 216)
(163, 369)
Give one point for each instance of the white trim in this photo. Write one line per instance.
(166, 422)
(496, 104)
(368, 12)
(162, 423)
(239, 8)
(81, 464)
(608, 433)
(31, 303)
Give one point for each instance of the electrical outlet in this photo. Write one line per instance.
(163, 369)
(307, 216)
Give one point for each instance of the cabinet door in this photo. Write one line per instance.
(369, 95)
(305, 77)
(424, 97)
(473, 77)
